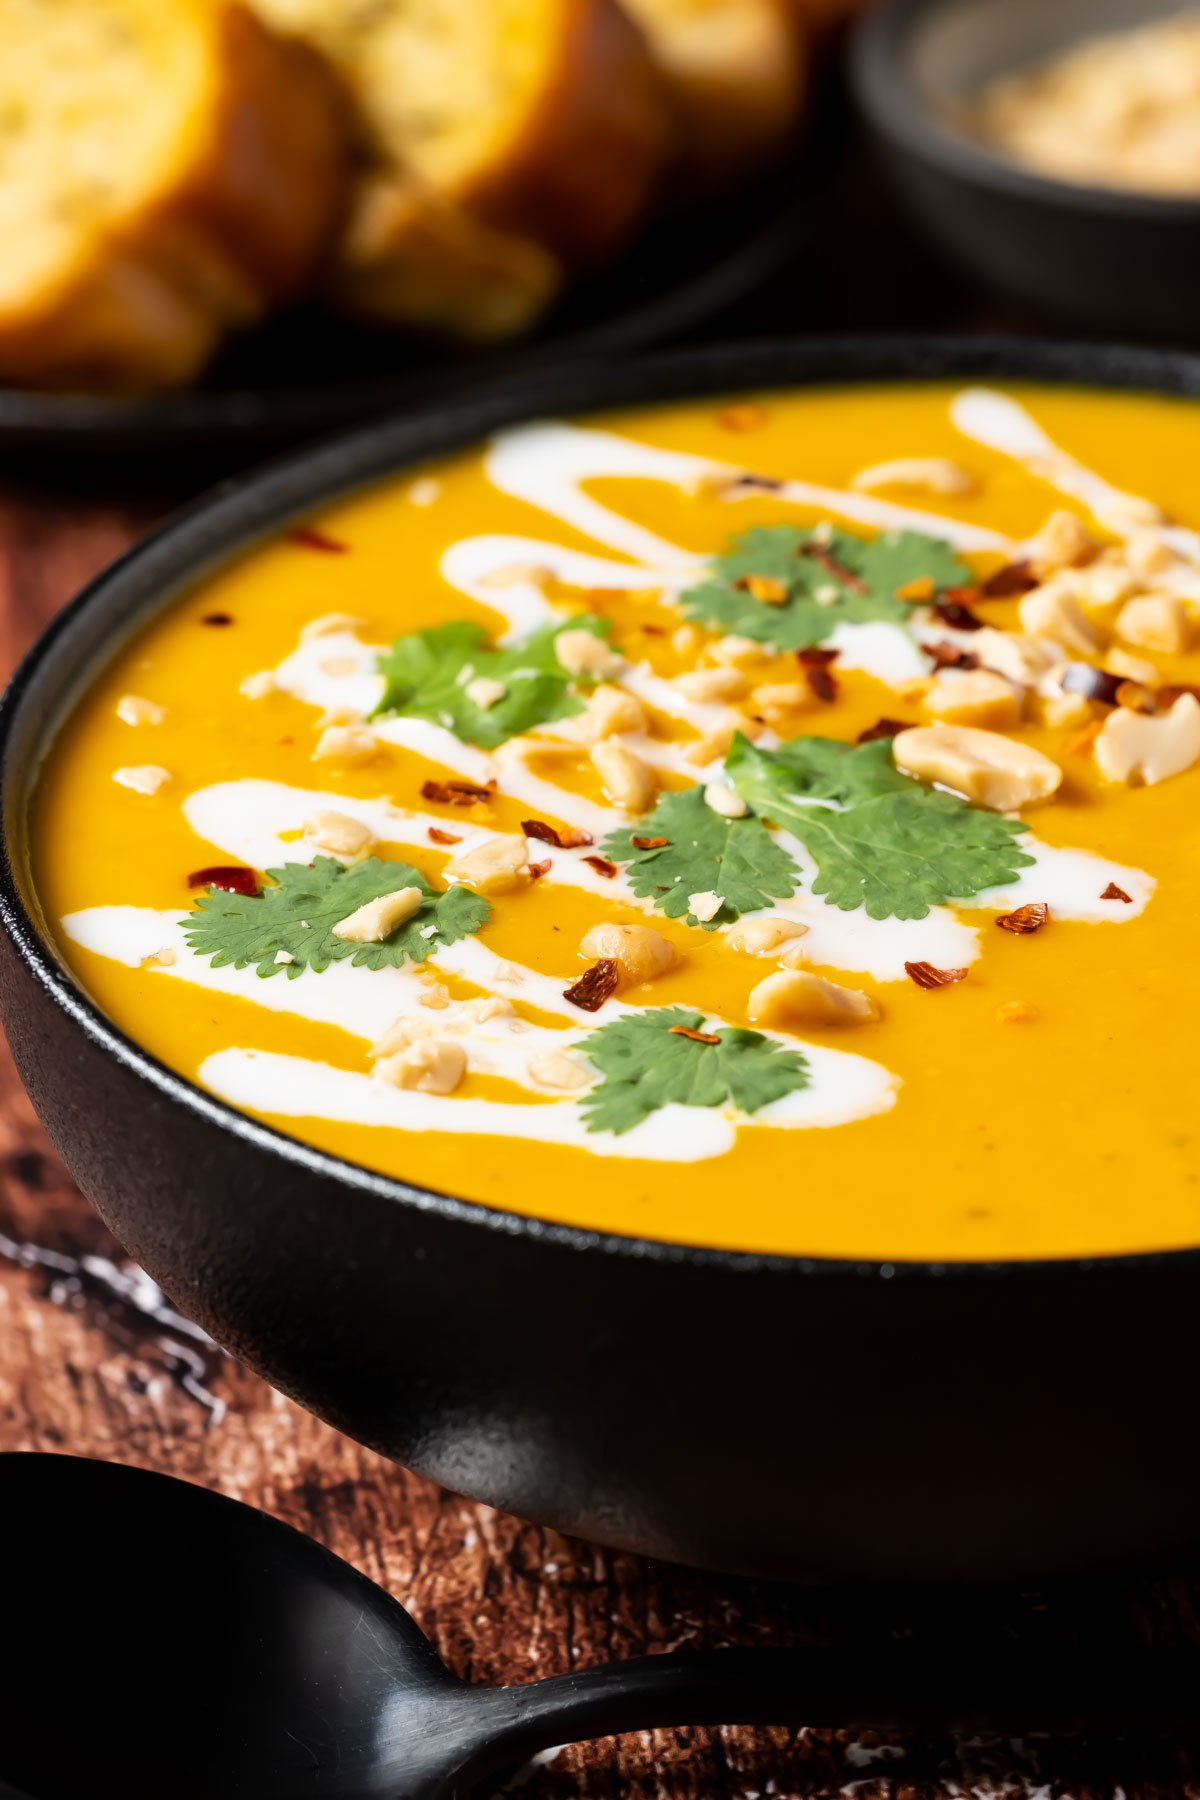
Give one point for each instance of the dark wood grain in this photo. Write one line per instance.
(82, 1369)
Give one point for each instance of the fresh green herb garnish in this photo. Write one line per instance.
(647, 1063)
(880, 840)
(704, 853)
(428, 672)
(297, 911)
(831, 578)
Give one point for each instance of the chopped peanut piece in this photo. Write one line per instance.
(133, 710)
(798, 997)
(609, 712)
(1123, 514)
(536, 575)
(1016, 1012)
(1051, 612)
(338, 833)
(762, 937)
(555, 1070)
(937, 474)
(435, 996)
(1102, 589)
(493, 1007)
(713, 746)
(495, 867)
(723, 800)
(1064, 542)
(434, 1066)
(1133, 668)
(712, 684)
(628, 781)
(327, 624)
(686, 640)
(142, 778)
(258, 685)
(401, 1033)
(165, 958)
(1141, 749)
(973, 697)
(780, 696)
(485, 692)
(377, 919)
(1023, 659)
(583, 653)
(983, 766)
(735, 649)
(705, 906)
(1062, 708)
(344, 743)
(1155, 622)
(795, 956)
(1148, 553)
(639, 953)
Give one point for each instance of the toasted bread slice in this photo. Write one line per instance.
(167, 172)
(501, 138)
(736, 74)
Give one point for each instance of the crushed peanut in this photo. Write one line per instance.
(1141, 750)
(494, 867)
(705, 906)
(798, 997)
(133, 710)
(165, 958)
(583, 653)
(609, 712)
(433, 1066)
(723, 800)
(558, 1071)
(484, 692)
(735, 649)
(1154, 622)
(725, 683)
(142, 778)
(327, 624)
(258, 685)
(344, 743)
(628, 781)
(983, 766)
(936, 474)
(639, 952)
(762, 937)
(1052, 612)
(1064, 542)
(338, 834)
(973, 697)
(377, 919)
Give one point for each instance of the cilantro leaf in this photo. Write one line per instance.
(646, 1065)
(428, 672)
(705, 853)
(296, 913)
(881, 841)
(855, 578)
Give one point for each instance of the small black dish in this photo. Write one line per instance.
(804, 1418)
(1116, 261)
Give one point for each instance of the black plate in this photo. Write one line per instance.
(773, 1415)
(308, 373)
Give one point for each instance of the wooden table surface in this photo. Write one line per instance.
(83, 1368)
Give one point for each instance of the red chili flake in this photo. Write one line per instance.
(926, 976)
(1026, 918)
(1014, 578)
(442, 837)
(217, 619)
(456, 793)
(1092, 683)
(966, 595)
(230, 876)
(595, 985)
(570, 839)
(956, 615)
(880, 729)
(697, 1037)
(602, 866)
(1113, 892)
(537, 870)
(647, 843)
(814, 657)
(312, 539)
(829, 562)
(949, 656)
(823, 684)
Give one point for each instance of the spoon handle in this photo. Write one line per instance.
(1009, 1690)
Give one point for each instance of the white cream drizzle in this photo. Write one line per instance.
(364, 1002)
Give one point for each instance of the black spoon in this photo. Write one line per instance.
(163, 1640)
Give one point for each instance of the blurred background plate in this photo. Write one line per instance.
(308, 373)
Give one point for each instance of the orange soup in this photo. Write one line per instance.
(765, 823)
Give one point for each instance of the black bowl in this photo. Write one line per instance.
(1115, 260)
(773, 1415)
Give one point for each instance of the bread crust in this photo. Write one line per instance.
(151, 294)
(736, 76)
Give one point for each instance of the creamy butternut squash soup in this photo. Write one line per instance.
(767, 824)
